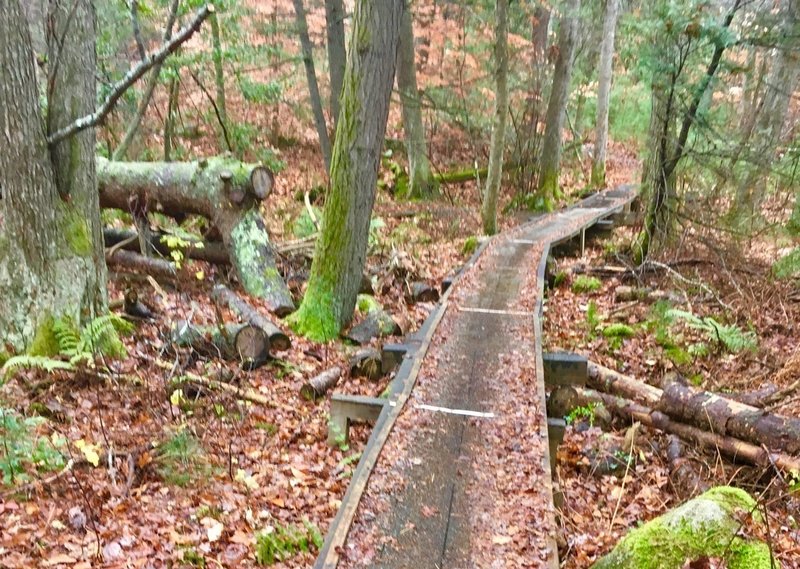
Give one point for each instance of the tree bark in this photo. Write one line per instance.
(209, 251)
(730, 447)
(243, 342)
(337, 56)
(51, 261)
(341, 248)
(277, 339)
(770, 114)
(219, 77)
(498, 142)
(705, 410)
(313, 86)
(319, 385)
(605, 74)
(152, 82)
(135, 262)
(421, 183)
(225, 191)
(557, 106)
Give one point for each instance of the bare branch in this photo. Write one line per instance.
(131, 77)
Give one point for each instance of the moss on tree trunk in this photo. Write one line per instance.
(340, 251)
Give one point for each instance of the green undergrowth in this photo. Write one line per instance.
(470, 245)
(787, 266)
(182, 460)
(585, 284)
(281, 543)
(59, 344)
(24, 450)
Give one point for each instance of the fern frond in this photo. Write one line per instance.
(67, 335)
(101, 336)
(13, 365)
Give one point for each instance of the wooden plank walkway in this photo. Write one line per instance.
(459, 460)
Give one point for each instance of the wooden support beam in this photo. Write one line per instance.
(565, 368)
(555, 436)
(347, 409)
(391, 356)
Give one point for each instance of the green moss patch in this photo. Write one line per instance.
(584, 284)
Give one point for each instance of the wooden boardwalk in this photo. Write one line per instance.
(457, 473)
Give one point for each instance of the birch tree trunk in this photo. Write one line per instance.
(557, 106)
(605, 74)
(340, 251)
(421, 183)
(498, 142)
(51, 261)
(337, 56)
(313, 86)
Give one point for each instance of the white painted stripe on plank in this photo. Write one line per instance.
(523, 241)
(493, 311)
(464, 412)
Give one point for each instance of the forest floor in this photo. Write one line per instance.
(193, 480)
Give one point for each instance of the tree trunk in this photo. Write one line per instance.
(557, 106)
(728, 446)
(341, 249)
(498, 142)
(604, 92)
(225, 191)
(51, 261)
(242, 342)
(705, 410)
(770, 114)
(317, 386)
(209, 251)
(152, 82)
(277, 339)
(219, 77)
(172, 110)
(313, 86)
(337, 56)
(421, 183)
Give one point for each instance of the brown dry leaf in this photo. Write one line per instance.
(501, 539)
(60, 559)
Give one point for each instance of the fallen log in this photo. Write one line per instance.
(278, 340)
(366, 363)
(705, 410)
(317, 386)
(209, 251)
(423, 292)
(242, 342)
(136, 262)
(225, 191)
(686, 474)
(730, 447)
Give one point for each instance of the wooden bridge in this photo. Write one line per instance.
(457, 471)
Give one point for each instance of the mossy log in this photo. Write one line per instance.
(209, 251)
(278, 340)
(730, 447)
(377, 324)
(225, 191)
(461, 176)
(318, 385)
(705, 410)
(707, 526)
(242, 342)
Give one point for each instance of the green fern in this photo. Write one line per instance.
(100, 337)
(730, 337)
(17, 363)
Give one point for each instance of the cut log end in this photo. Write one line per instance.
(317, 386)
(262, 180)
(252, 345)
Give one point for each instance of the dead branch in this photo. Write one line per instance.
(132, 77)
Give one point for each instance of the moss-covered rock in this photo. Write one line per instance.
(706, 526)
